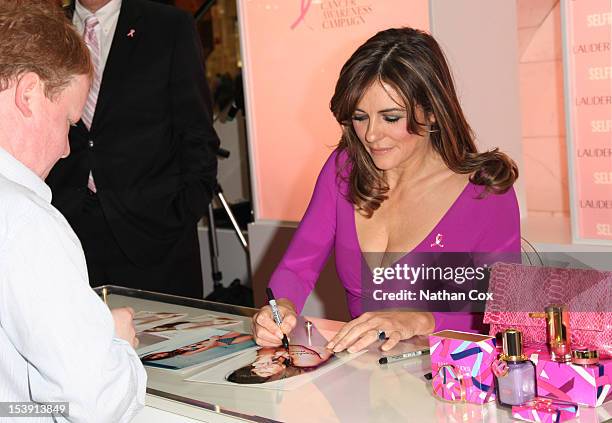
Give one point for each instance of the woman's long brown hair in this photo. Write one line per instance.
(412, 63)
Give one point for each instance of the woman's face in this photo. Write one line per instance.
(269, 362)
(380, 122)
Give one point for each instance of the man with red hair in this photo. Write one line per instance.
(58, 341)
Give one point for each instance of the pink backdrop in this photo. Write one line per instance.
(293, 51)
(589, 76)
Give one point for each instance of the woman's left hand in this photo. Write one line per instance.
(397, 325)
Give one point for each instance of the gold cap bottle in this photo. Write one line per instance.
(558, 333)
(513, 345)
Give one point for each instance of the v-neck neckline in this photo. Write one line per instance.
(433, 230)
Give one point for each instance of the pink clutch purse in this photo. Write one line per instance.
(520, 294)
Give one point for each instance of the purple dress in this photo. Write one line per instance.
(491, 224)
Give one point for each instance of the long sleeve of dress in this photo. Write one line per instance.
(311, 245)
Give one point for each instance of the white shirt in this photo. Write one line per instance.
(57, 340)
(108, 15)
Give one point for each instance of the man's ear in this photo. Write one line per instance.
(27, 89)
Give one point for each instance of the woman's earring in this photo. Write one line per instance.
(431, 130)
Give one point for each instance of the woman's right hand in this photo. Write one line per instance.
(265, 331)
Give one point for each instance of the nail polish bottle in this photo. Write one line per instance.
(516, 383)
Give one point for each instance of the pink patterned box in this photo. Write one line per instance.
(545, 410)
(461, 366)
(586, 385)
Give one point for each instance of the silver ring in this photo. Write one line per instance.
(381, 335)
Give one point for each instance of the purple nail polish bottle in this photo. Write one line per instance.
(518, 384)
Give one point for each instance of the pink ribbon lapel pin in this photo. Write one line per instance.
(438, 241)
(131, 33)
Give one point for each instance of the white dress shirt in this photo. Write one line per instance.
(57, 337)
(108, 17)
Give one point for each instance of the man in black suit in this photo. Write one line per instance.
(143, 158)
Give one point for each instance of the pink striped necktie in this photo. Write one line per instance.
(91, 40)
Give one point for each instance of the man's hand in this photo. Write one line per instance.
(124, 325)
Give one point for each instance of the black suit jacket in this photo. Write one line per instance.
(151, 147)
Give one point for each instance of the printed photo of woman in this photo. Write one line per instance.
(277, 363)
(206, 350)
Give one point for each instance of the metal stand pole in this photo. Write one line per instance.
(213, 243)
(232, 218)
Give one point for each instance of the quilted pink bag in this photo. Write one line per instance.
(520, 290)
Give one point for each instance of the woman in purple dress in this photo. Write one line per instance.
(405, 177)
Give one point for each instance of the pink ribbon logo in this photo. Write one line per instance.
(304, 6)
